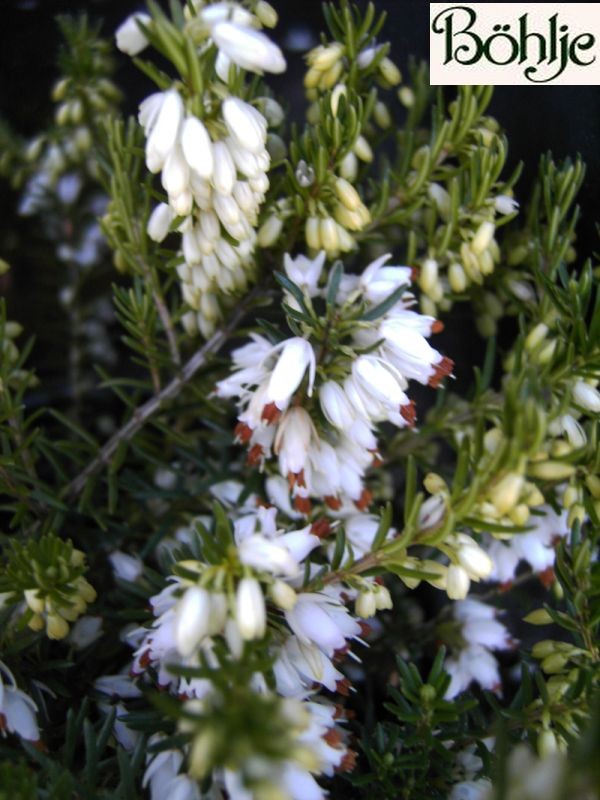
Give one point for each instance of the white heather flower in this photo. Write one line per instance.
(586, 396)
(335, 405)
(318, 619)
(250, 611)
(192, 619)
(130, 38)
(479, 789)
(197, 147)
(474, 663)
(17, 709)
(474, 559)
(163, 129)
(245, 124)
(407, 349)
(505, 204)
(85, 631)
(292, 440)
(160, 221)
(297, 355)
(125, 567)
(305, 272)
(299, 665)
(248, 48)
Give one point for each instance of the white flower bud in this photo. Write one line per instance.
(505, 494)
(335, 405)
(505, 204)
(323, 57)
(457, 582)
(365, 605)
(536, 336)
(182, 203)
(586, 396)
(250, 611)
(269, 231)
(245, 124)
(347, 194)
(475, 561)
(363, 149)
(192, 620)
(224, 172)
(130, 37)
(197, 147)
(35, 603)
(382, 115)
(349, 167)
(383, 598)
(312, 233)
(165, 130)
(339, 91)
(56, 627)
(283, 595)
(159, 222)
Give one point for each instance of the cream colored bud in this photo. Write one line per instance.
(202, 753)
(554, 663)
(348, 219)
(571, 495)
(545, 648)
(347, 194)
(390, 72)
(324, 57)
(475, 561)
(457, 582)
(428, 277)
(349, 167)
(552, 470)
(435, 484)
(283, 595)
(365, 605)
(363, 150)
(383, 598)
(312, 78)
(457, 278)
(593, 484)
(382, 115)
(56, 627)
(536, 336)
(63, 114)
(340, 91)
(36, 623)
(547, 352)
(331, 77)
(406, 96)
(547, 743)
(270, 231)
(190, 323)
(520, 514)
(266, 14)
(505, 494)
(586, 396)
(312, 233)
(483, 237)
(59, 90)
(328, 233)
(576, 514)
(34, 601)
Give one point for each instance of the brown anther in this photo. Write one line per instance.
(339, 711)
(334, 503)
(364, 501)
(300, 479)
(333, 737)
(441, 371)
(547, 577)
(242, 433)
(340, 654)
(343, 687)
(348, 762)
(438, 326)
(270, 413)
(378, 580)
(255, 455)
(262, 503)
(408, 412)
(377, 459)
(3, 725)
(302, 504)
(321, 528)
(145, 659)
(414, 273)
(365, 629)
(505, 587)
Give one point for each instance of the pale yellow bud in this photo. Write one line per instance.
(312, 78)
(339, 92)
(363, 149)
(347, 194)
(283, 595)
(552, 470)
(483, 237)
(312, 233)
(519, 514)
(328, 232)
(457, 278)
(538, 617)
(428, 277)
(270, 231)
(365, 605)
(390, 71)
(331, 77)
(56, 627)
(536, 336)
(435, 484)
(570, 496)
(266, 14)
(348, 219)
(324, 57)
(593, 484)
(382, 115)
(546, 354)
(554, 663)
(63, 113)
(406, 96)
(202, 753)
(505, 494)
(547, 743)
(34, 601)
(59, 89)
(576, 514)
(544, 648)
(349, 167)
(36, 623)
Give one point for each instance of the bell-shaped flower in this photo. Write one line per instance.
(318, 619)
(245, 124)
(305, 272)
(248, 48)
(297, 355)
(197, 147)
(130, 37)
(250, 610)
